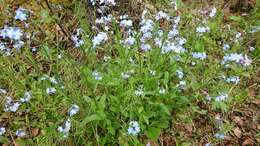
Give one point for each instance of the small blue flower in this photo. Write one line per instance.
(74, 109)
(2, 131)
(65, 128)
(199, 55)
(20, 133)
(97, 76)
(220, 136)
(20, 14)
(134, 128)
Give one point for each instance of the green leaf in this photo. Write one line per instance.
(3, 140)
(153, 133)
(95, 117)
(236, 18)
(199, 46)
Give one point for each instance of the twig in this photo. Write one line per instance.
(13, 138)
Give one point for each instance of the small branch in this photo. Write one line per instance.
(15, 144)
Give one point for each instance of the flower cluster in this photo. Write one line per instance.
(238, 58)
(13, 35)
(13, 106)
(65, 128)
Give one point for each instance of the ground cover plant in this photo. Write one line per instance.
(108, 72)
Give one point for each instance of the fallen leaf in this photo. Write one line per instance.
(238, 120)
(256, 101)
(248, 142)
(237, 132)
(35, 132)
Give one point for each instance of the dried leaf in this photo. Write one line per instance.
(35, 132)
(248, 142)
(238, 120)
(237, 132)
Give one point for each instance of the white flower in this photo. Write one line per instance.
(162, 91)
(76, 38)
(174, 32)
(44, 77)
(201, 30)
(238, 36)
(100, 38)
(26, 98)
(13, 33)
(126, 23)
(145, 47)
(107, 2)
(232, 57)
(18, 45)
(176, 58)
(246, 61)
(107, 58)
(97, 76)
(179, 74)
(170, 46)
(158, 42)
(221, 97)
(14, 107)
(174, 3)
(152, 72)
(148, 144)
(181, 85)
(53, 80)
(4, 49)
(177, 19)
(162, 15)
(10, 105)
(219, 136)
(213, 12)
(251, 48)
(2, 131)
(59, 56)
(134, 128)
(123, 17)
(238, 58)
(233, 79)
(93, 2)
(130, 41)
(125, 75)
(74, 109)
(146, 36)
(139, 91)
(146, 25)
(199, 55)
(77, 41)
(105, 19)
(3, 91)
(50, 90)
(20, 14)
(65, 128)
(20, 133)
(181, 41)
(226, 47)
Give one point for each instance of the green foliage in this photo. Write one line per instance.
(108, 105)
